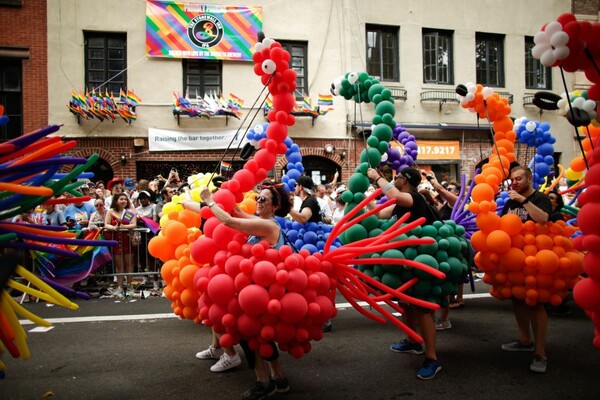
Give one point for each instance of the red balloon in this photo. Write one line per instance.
(587, 294)
(232, 264)
(254, 299)
(241, 281)
(248, 326)
(293, 307)
(223, 235)
(203, 250)
(264, 273)
(297, 282)
(221, 289)
(265, 160)
(245, 178)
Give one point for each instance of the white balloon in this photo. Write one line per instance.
(269, 67)
(267, 42)
(561, 52)
(548, 58)
(253, 143)
(487, 92)
(559, 39)
(539, 49)
(258, 47)
(541, 38)
(352, 77)
(258, 129)
(553, 27)
(578, 102)
(471, 87)
(530, 126)
(384, 157)
(469, 97)
(589, 105)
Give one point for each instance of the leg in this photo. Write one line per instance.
(523, 317)
(428, 332)
(539, 325)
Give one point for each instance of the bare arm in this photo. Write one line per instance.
(536, 213)
(303, 216)
(402, 199)
(447, 195)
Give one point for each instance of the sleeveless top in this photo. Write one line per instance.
(280, 241)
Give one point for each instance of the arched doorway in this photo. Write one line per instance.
(102, 171)
(320, 169)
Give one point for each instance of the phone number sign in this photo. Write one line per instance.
(439, 149)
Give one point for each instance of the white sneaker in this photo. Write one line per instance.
(118, 292)
(443, 325)
(156, 285)
(226, 362)
(209, 354)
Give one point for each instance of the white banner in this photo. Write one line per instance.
(167, 140)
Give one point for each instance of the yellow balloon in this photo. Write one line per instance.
(573, 175)
(163, 220)
(195, 192)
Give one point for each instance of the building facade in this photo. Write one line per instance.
(421, 51)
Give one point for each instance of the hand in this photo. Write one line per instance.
(373, 174)
(515, 196)
(205, 195)
(336, 174)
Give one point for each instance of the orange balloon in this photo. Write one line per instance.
(517, 241)
(506, 292)
(516, 278)
(478, 241)
(519, 292)
(482, 192)
(545, 281)
(530, 281)
(488, 222)
(176, 232)
(544, 242)
(498, 241)
(578, 164)
(511, 224)
(166, 271)
(547, 261)
(513, 259)
(186, 276)
(499, 278)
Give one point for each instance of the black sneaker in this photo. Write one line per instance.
(283, 386)
(258, 391)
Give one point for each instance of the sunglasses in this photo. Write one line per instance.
(553, 197)
(261, 199)
(452, 188)
(98, 205)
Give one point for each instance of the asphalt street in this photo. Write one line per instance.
(140, 350)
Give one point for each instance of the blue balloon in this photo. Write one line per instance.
(298, 244)
(292, 235)
(310, 237)
(549, 160)
(312, 226)
(311, 248)
(294, 157)
(546, 149)
(293, 174)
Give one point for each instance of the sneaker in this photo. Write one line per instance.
(226, 362)
(283, 386)
(442, 325)
(209, 354)
(538, 364)
(429, 369)
(515, 345)
(258, 391)
(118, 292)
(156, 286)
(407, 346)
(328, 326)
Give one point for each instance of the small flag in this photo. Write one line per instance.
(225, 166)
(307, 103)
(325, 101)
(268, 103)
(127, 216)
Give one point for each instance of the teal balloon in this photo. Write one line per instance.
(375, 89)
(395, 254)
(444, 266)
(369, 272)
(355, 233)
(388, 120)
(407, 274)
(375, 232)
(377, 120)
(370, 223)
(454, 246)
(392, 280)
(382, 132)
(428, 230)
(459, 230)
(443, 244)
(399, 238)
(445, 231)
(430, 249)
(422, 288)
(347, 196)
(345, 84)
(358, 182)
(386, 94)
(364, 96)
(456, 269)
(411, 253)
(362, 77)
(370, 156)
(438, 224)
(383, 147)
(368, 83)
(359, 196)
(373, 141)
(363, 167)
(379, 271)
(417, 231)
(436, 290)
(447, 288)
(427, 260)
(377, 99)
(441, 256)
(385, 107)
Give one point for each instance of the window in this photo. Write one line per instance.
(382, 52)
(299, 53)
(536, 75)
(11, 97)
(202, 77)
(437, 57)
(105, 60)
(489, 59)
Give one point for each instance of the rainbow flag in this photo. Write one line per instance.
(307, 103)
(225, 166)
(268, 103)
(325, 101)
(235, 102)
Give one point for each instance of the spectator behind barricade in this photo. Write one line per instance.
(325, 204)
(85, 191)
(98, 216)
(78, 214)
(167, 194)
(338, 214)
(100, 185)
(118, 222)
(115, 187)
(53, 216)
(146, 208)
(31, 216)
(310, 211)
(144, 185)
(557, 204)
(129, 185)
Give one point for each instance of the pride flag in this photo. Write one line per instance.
(325, 101)
(225, 166)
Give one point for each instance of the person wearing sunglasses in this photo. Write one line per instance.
(310, 211)
(408, 199)
(272, 200)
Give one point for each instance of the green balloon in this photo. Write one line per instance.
(375, 89)
(359, 182)
(444, 266)
(447, 288)
(377, 99)
(459, 230)
(379, 271)
(370, 223)
(441, 255)
(363, 167)
(383, 147)
(428, 230)
(411, 253)
(347, 196)
(377, 120)
(359, 196)
(373, 141)
(385, 107)
(422, 288)
(407, 274)
(370, 156)
(438, 224)
(417, 231)
(355, 233)
(382, 132)
(396, 254)
(454, 246)
(436, 290)
(375, 232)
(443, 244)
(386, 94)
(456, 269)
(427, 260)
(388, 120)
(430, 249)
(392, 280)
(445, 231)
(399, 238)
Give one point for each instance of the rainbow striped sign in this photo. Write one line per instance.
(193, 30)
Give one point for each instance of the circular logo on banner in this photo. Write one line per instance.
(205, 30)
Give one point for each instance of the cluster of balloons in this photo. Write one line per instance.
(448, 253)
(537, 134)
(577, 167)
(310, 236)
(587, 291)
(572, 45)
(534, 262)
(578, 99)
(398, 161)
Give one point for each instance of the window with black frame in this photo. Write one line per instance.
(382, 52)
(105, 61)
(202, 77)
(11, 97)
(298, 62)
(537, 76)
(489, 59)
(437, 57)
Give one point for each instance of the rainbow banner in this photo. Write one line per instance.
(194, 30)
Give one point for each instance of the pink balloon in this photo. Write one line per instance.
(293, 307)
(587, 294)
(264, 273)
(223, 235)
(254, 299)
(221, 289)
(216, 313)
(248, 326)
(203, 250)
(297, 282)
